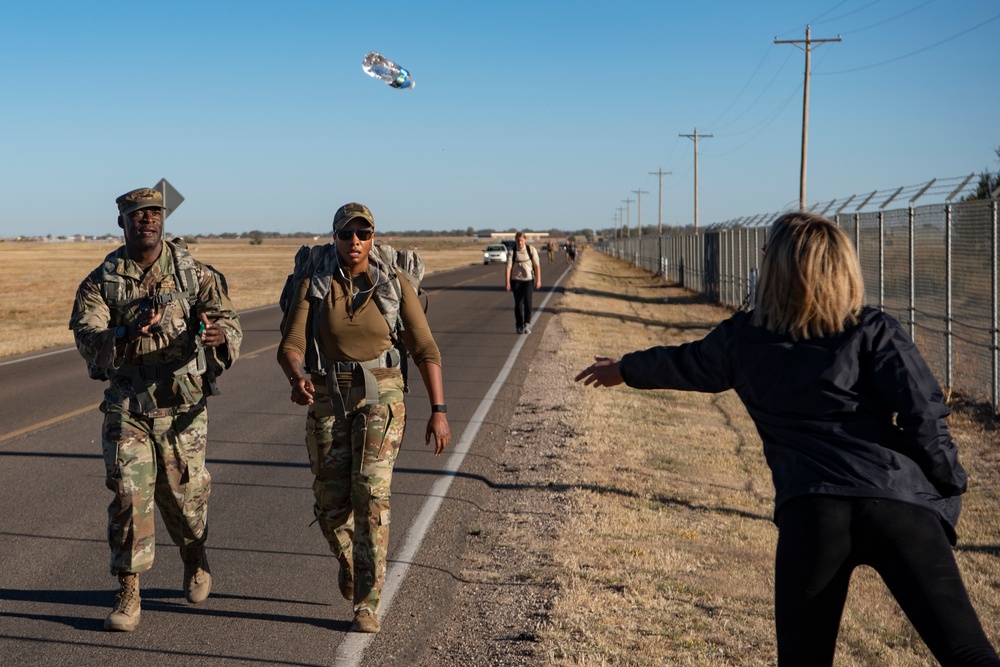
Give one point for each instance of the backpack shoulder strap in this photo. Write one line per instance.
(188, 274)
(388, 294)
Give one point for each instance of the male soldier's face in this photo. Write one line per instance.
(520, 242)
(143, 228)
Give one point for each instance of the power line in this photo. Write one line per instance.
(850, 13)
(884, 21)
(764, 124)
(742, 90)
(836, 6)
(913, 53)
(759, 96)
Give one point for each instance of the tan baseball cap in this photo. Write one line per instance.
(349, 212)
(140, 198)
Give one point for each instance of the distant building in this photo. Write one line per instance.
(509, 236)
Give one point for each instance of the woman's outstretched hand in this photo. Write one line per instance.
(602, 373)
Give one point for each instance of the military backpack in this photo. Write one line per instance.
(319, 264)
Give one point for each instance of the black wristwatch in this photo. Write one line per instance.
(440, 407)
(121, 332)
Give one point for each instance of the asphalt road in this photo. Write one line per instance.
(274, 598)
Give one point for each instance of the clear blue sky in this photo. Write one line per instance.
(525, 114)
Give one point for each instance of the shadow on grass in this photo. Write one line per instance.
(594, 488)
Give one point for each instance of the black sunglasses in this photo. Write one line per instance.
(348, 234)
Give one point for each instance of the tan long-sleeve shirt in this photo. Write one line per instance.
(349, 334)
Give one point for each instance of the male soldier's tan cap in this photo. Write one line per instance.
(140, 198)
(349, 212)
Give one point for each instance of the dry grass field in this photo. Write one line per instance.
(39, 280)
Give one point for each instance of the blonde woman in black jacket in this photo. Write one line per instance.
(854, 431)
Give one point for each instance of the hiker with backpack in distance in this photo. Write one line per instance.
(351, 315)
(522, 275)
(854, 429)
(159, 326)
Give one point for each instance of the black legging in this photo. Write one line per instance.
(821, 539)
(522, 290)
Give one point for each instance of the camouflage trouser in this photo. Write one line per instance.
(352, 459)
(159, 461)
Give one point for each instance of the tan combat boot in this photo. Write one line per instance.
(197, 576)
(365, 620)
(125, 616)
(345, 577)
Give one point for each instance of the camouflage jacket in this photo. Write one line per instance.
(168, 372)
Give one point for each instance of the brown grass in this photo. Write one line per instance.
(666, 555)
(39, 280)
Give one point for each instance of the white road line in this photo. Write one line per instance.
(351, 650)
(37, 356)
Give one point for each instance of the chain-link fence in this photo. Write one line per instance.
(933, 268)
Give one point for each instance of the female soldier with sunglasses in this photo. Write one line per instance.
(356, 414)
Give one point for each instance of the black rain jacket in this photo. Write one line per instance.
(857, 414)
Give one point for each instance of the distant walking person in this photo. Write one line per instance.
(550, 250)
(159, 326)
(570, 251)
(855, 433)
(523, 275)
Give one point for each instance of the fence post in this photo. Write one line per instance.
(912, 314)
(881, 260)
(730, 260)
(703, 262)
(740, 272)
(949, 351)
(994, 334)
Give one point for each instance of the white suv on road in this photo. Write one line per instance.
(495, 253)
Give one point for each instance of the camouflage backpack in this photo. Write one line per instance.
(318, 263)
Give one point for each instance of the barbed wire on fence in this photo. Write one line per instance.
(943, 190)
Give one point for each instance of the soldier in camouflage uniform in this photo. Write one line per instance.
(337, 351)
(159, 326)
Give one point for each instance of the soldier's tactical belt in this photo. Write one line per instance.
(357, 374)
(144, 377)
(151, 373)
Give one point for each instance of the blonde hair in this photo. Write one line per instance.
(810, 280)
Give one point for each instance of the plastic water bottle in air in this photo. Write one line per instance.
(380, 67)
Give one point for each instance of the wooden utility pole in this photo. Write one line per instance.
(638, 211)
(660, 173)
(695, 137)
(808, 41)
(628, 221)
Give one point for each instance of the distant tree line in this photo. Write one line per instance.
(257, 237)
(988, 182)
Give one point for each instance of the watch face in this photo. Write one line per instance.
(121, 331)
